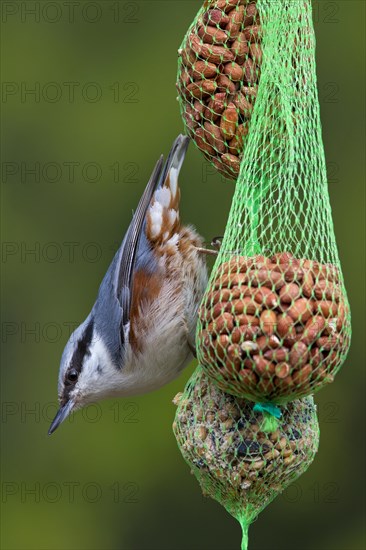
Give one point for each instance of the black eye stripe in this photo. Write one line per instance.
(76, 363)
(82, 348)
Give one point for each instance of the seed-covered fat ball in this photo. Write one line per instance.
(235, 463)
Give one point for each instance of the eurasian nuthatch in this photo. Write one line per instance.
(140, 332)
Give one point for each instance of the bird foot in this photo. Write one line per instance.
(215, 243)
(207, 251)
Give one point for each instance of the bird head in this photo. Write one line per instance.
(86, 372)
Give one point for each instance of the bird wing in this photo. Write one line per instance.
(136, 250)
(113, 306)
(129, 248)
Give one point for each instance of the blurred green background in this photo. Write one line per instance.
(77, 152)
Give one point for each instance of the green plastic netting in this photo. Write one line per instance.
(236, 463)
(275, 322)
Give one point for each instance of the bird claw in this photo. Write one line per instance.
(217, 242)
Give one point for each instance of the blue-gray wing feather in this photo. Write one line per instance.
(112, 307)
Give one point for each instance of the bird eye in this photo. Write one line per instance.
(72, 375)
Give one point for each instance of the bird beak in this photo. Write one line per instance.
(62, 413)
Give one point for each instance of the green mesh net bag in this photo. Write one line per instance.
(275, 321)
(238, 465)
(218, 75)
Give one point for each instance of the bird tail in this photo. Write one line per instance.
(162, 217)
